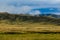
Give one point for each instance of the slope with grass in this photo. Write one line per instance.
(27, 23)
(22, 23)
(27, 27)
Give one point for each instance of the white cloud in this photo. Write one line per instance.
(5, 7)
(24, 9)
(55, 1)
(57, 13)
(12, 9)
(37, 12)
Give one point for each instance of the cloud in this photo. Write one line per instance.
(37, 12)
(57, 13)
(12, 9)
(23, 9)
(25, 6)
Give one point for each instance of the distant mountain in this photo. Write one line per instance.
(47, 18)
(50, 15)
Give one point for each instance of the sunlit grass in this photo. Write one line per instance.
(6, 26)
(24, 28)
(34, 36)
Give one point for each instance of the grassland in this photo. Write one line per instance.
(23, 31)
(33, 36)
(24, 27)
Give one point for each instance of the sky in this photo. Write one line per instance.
(25, 6)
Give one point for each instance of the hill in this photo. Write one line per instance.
(47, 18)
(22, 23)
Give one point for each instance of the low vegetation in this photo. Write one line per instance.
(27, 23)
(15, 18)
(33, 36)
(28, 27)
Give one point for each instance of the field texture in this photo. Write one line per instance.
(23, 27)
(28, 31)
(33, 36)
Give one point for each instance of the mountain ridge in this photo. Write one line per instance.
(29, 18)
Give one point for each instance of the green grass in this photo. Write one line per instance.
(5, 26)
(30, 27)
(33, 36)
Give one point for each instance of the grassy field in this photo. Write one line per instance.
(33, 36)
(28, 27)
(25, 29)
